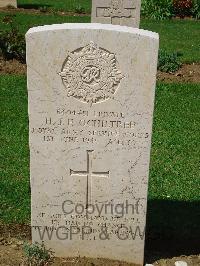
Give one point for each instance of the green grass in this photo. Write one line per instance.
(175, 35)
(66, 5)
(26, 21)
(175, 153)
(176, 146)
(14, 177)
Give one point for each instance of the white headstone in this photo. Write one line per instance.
(91, 99)
(5, 3)
(181, 263)
(117, 12)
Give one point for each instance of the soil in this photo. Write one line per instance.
(48, 11)
(13, 10)
(187, 73)
(12, 67)
(12, 238)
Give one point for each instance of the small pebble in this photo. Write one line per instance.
(20, 243)
(149, 265)
(181, 263)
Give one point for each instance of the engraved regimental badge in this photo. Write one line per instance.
(90, 74)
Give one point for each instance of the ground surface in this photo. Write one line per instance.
(11, 252)
(187, 73)
(176, 35)
(173, 204)
(56, 5)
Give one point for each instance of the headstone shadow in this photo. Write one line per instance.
(33, 6)
(173, 229)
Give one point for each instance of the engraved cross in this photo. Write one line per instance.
(116, 10)
(89, 174)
